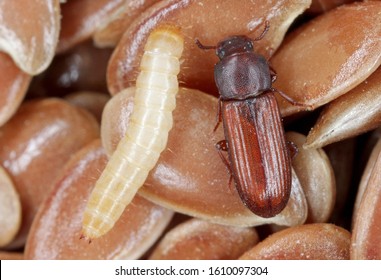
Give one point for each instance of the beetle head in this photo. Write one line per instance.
(233, 45)
(230, 46)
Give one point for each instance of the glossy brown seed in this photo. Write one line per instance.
(111, 30)
(81, 18)
(56, 231)
(190, 177)
(29, 33)
(366, 237)
(329, 55)
(200, 240)
(93, 102)
(11, 255)
(351, 114)
(13, 86)
(306, 242)
(10, 209)
(197, 66)
(317, 178)
(322, 6)
(36, 143)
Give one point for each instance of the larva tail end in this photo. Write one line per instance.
(85, 238)
(94, 227)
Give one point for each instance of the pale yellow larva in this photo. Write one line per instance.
(146, 137)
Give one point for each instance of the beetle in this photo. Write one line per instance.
(259, 159)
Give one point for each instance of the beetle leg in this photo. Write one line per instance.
(222, 146)
(272, 74)
(267, 26)
(293, 149)
(289, 99)
(219, 116)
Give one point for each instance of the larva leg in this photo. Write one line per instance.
(146, 137)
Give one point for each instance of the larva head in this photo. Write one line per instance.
(166, 39)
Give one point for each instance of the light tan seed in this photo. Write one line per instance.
(13, 87)
(366, 233)
(10, 209)
(29, 34)
(365, 177)
(351, 114)
(316, 176)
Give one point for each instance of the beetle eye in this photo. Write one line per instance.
(249, 46)
(220, 53)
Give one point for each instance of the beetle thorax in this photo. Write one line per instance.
(242, 75)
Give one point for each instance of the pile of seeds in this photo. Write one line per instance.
(68, 73)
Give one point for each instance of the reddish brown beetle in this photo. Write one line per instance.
(258, 155)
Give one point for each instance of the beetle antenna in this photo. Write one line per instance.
(203, 47)
(267, 27)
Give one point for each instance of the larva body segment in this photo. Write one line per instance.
(146, 137)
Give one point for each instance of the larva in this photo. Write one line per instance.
(146, 137)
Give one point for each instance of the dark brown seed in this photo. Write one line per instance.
(94, 102)
(81, 18)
